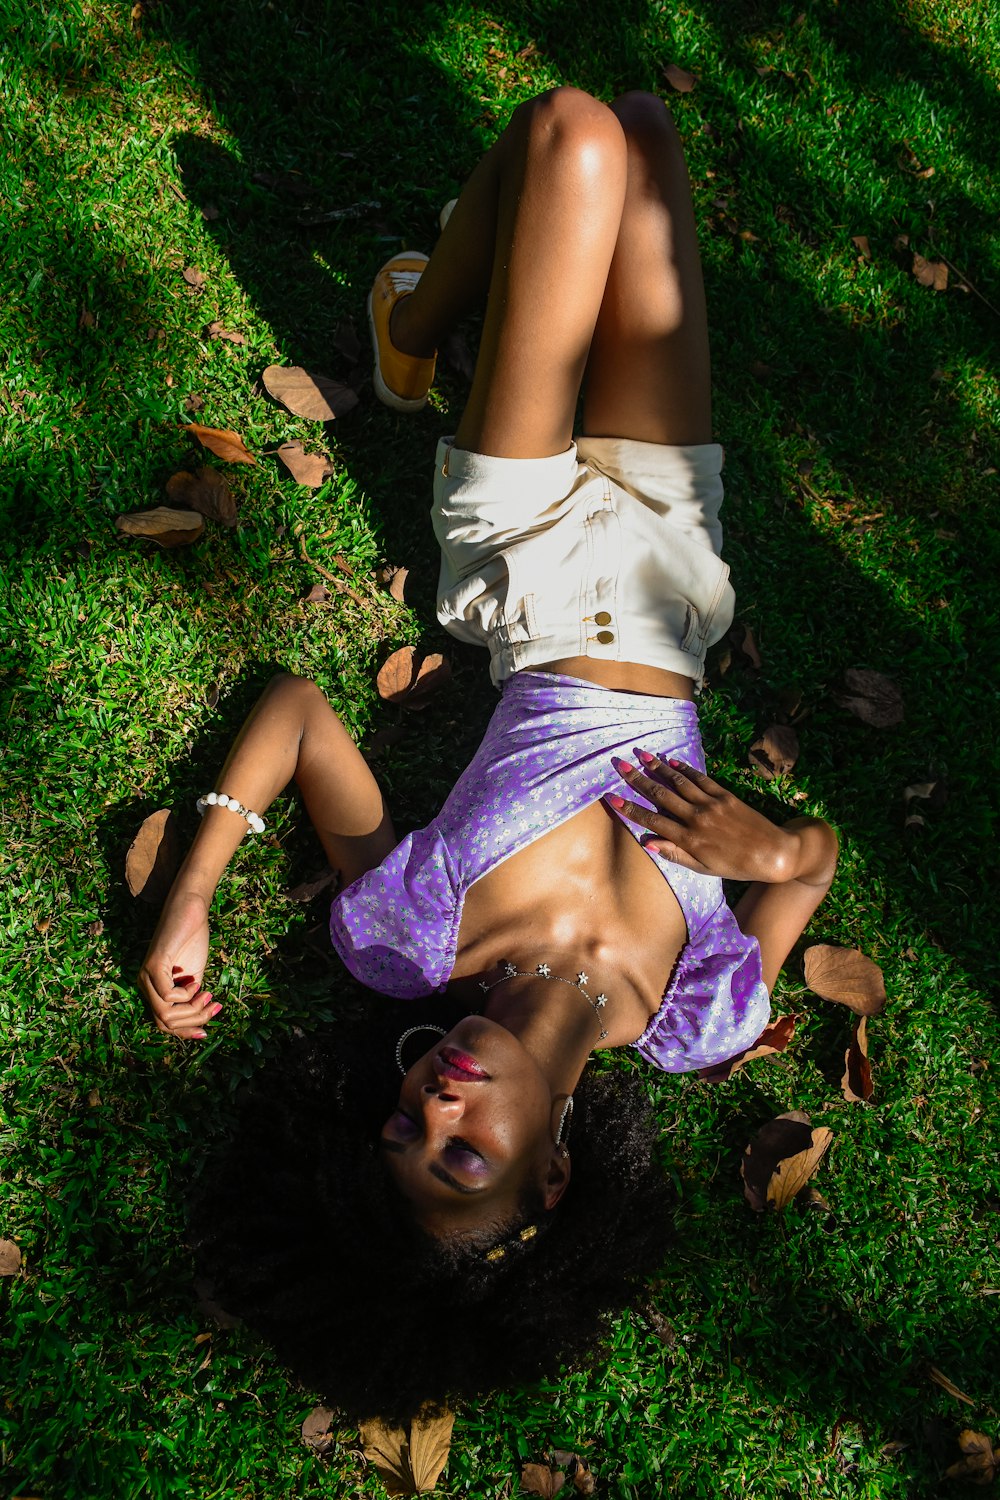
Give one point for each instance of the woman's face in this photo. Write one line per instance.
(473, 1130)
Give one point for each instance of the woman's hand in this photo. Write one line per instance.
(699, 825)
(171, 974)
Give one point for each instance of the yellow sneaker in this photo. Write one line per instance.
(401, 380)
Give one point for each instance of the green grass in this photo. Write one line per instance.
(776, 1356)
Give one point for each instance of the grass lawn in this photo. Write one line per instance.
(777, 1355)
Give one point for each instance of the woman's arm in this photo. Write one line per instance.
(292, 733)
(700, 825)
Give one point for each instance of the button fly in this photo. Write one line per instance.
(605, 637)
(603, 618)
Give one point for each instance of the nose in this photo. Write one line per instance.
(439, 1101)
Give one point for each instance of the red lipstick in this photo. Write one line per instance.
(452, 1063)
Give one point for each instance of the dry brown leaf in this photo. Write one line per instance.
(212, 695)
(318, 594)
(774, 1038)
(217, 331)
(980, 1463)
(743, 640)
(679, 78)
(409, 1464)
(94, 1099)
(312, 396)
(857, 1080)
(86, 319)
(434, 674)
(846, 976)
(397, 675)
(165, 526)
(872, 697)
(206, 491)
(310, 469)
(931, 273)
(939, 1378)
(782, 1157)
(776, 752)
(221, 441)
(194, 403)
(194, 278)
(153, 856)
(393, 577)
(10, 1258)
(312, 887)
(861, 241)
(539, 1479)
(382, 739)
(315, 1429)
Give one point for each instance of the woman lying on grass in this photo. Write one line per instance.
(444, 1249)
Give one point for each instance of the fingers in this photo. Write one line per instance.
(178, 1008)
(684, 779)
(675, 797)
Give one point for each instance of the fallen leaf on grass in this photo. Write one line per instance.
(310, 469)
(194, 403)
(212, 695)
(315, 1429)
(872, 697)
(540, 1479)
(846, 976)
(742, 638)
(856, 1083)
(776, 752)
(679, 78)
(206, 491)
(194, 278)
(310, 888)
(981, 1461)
(166, 527)
(10, 1258)
(578, 1471)
(394, 579)
(221, 441)
(861, 241)
(382, 739)
(409, 1464)
(153, 856)
(782, 1157)
(400, 681)
(212, 1309)
(934, 793)
(217, 331)
(318, 594)
(774, 1038)
(312, 396)
(930, 273)
(948, 1385)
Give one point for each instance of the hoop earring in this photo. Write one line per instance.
(565, 1121)
(412, 1031)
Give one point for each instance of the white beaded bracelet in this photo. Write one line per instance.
(255, 823)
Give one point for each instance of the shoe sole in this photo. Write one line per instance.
(385, 395)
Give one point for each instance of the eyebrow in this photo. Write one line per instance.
(435, 1170)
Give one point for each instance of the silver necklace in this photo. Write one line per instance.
(542, 971)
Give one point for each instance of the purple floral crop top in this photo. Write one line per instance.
(545, 756)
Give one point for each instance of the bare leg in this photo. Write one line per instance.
(551, 191)
(648, 373)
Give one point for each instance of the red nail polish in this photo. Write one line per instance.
(216, 1008)
(675, 764)
(645, 757)
(623, 767)
(199, 1036)
(617, 802)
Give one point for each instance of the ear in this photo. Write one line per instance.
(557, 1178)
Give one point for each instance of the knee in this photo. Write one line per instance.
(575, 126)
(646, 121)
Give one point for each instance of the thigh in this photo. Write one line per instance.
(648, 372)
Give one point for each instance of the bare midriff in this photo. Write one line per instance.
(623, 676)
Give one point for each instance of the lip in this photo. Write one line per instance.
(452, 1063)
